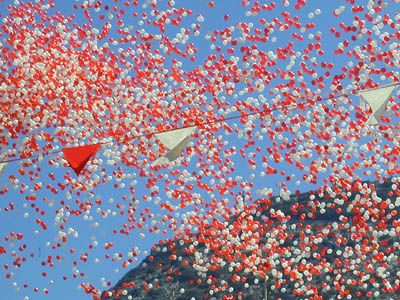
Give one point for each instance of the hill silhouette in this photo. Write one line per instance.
(171, 271)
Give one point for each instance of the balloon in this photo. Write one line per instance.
(273, 176)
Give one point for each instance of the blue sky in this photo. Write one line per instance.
(96, 228)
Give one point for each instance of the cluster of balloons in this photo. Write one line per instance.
(167, 110)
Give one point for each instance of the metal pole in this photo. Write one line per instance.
(265, 290)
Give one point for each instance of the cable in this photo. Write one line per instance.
(169, 130)
(204, 123)
(229, 118)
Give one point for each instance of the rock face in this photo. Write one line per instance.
(172, 272)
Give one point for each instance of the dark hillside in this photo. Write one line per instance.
(172, 271)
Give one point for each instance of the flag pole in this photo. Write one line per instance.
(265, 289)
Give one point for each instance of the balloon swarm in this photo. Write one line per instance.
(126, 123)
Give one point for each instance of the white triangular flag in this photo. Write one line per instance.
(175, 141)
(2, 167)
(377, 99)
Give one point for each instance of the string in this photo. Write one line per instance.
(174, 129)
(265, 111)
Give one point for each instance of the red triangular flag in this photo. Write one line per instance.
(78, 157)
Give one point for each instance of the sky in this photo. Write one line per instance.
(98, 226)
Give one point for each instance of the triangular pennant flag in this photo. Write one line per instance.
(175, 141)
(2, 167)
(377, 99)
(172, 138)
(78, 157)
(174, 153)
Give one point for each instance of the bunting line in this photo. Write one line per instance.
(204, 123)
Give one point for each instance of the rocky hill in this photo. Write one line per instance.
(172, 270)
